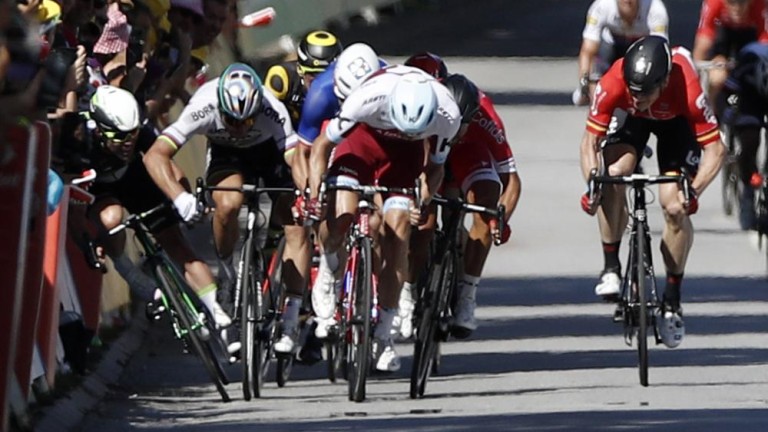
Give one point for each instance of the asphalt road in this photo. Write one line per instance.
(546, 355)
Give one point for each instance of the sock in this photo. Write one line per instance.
(469, 287)
(406, 297)
(291, 309)
(208, 296)
(384, 327)
(672, 290)
(330, 261)
(611, 256)
(139, 283)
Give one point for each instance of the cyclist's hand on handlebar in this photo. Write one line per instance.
(418, 215)
(589, 205)
(502, 236)
(188, 207)
(692, 206)
(299, 209)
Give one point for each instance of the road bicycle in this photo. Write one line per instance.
(351, 338)
(256, 306)
(432, 315)
(638, 304)
(190, 320)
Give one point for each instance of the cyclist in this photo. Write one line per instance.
(248, 130)
(661, 94)
(112, 143)
(725, 26)
(289, 81)
(320, 105)
(429, 63)
(481, 168)
(749, 84)
(611, 27)
(384, 129)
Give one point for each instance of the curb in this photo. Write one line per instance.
(68, 412)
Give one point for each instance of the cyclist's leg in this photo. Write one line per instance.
(747, 128)
(620, 153)
(418, 253)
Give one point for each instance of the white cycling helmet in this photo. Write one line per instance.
(114, 110)
(240, 92)
(354, 65)
(412, 104)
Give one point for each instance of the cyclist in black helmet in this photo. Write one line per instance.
(659, 91)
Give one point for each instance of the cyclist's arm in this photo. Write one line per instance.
(589, 153)
(159, 164)
(712, 156)
(511, 193)
(587, 54)
(702, 45)
(705, 33)
(299, 161)
(434, 173)
(318, 162)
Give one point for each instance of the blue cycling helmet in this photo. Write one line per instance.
(412, 104)
(240, 92)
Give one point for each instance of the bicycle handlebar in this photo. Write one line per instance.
(642, 180)
(460, 204)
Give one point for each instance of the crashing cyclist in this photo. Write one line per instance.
(746, 93)
(482, 169)
(611, 27)
(112, 140)
(660, 93)
(248, 131)
(384, 130)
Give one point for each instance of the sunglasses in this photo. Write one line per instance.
(120, 136)
(236, 123)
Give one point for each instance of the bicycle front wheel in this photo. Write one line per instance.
(642, 309)
(434, 306)
(248, 326)
(359, 351)
(191, 327)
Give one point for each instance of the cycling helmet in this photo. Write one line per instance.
(115, 113)
(429, 63)
(317, 50)
(647, 64)
(761, 77)
(465, 94)
(356, 63)
(412, 104)
(240, 92)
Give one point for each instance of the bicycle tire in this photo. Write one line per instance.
(173, 291)
(248, 325)
(265, 325)
(642, 329)
(435, 305)
(283, 370)
(360, 326)
(730, 182)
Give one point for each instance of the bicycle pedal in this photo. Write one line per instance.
(618, 315)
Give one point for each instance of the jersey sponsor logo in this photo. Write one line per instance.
(692, 158)
(703, 105)
(492, 128)
(359, 68)
(272, 114)
(374, 99)
(441, 111)
(202, 113)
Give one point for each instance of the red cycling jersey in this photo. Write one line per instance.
(487, 130)
(715, 14)
(681, 97)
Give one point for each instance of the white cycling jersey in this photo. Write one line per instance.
(201, 117)
(369, 104)
(604, 22)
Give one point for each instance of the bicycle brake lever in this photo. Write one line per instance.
(501, 222)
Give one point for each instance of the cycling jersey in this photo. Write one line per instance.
(285, 83)
(202, 116)
(714, 14)
(487, 130)
(369, 104)
(682, 96)
(320, 104)
(604, 22)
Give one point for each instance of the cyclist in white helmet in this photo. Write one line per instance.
(383, 131)
(248, 131)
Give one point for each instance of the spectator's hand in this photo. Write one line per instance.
(81, 75)
(29, 10)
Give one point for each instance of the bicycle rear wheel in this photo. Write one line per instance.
(642, 300)
(434, 307)
(359, 351)
(731, 184)
(173, 287)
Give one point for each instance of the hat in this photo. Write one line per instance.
(49, 15)
(114, 38)
(195, 6)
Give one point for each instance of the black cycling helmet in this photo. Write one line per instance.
(429, 63)
(466, 95)
(647, 64)
(317, 50)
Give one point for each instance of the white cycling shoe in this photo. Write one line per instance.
(609, 285)
(324, 293)
(671, 328)
(385, 356)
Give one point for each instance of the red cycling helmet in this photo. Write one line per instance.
(429, 63)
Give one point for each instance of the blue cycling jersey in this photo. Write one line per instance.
(320, 104)
(743, 74)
